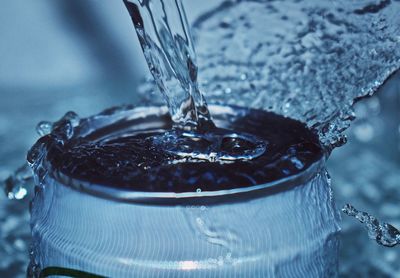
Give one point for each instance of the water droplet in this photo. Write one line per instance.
(18, 194)
(64, 128)
(19, 244)
(73, 118)
(384, 234)
(16, 185)
(43, 128)
(199, 221)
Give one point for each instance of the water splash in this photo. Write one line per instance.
(17, 185)
(215, 145)
(383, 233)
(308, 60)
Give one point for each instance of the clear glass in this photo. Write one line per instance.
(287, 228)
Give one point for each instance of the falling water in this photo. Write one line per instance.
(166, 41)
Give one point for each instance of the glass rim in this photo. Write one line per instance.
(117, 114)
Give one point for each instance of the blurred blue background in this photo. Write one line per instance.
(84, 56)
